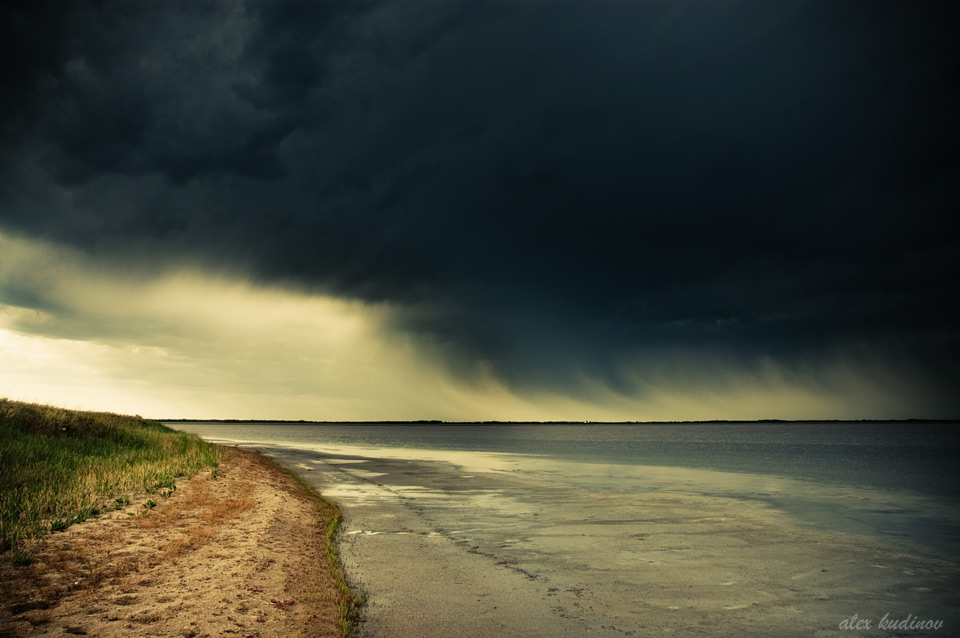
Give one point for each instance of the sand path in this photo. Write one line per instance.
(235, 553)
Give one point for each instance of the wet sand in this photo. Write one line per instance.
(490, 545)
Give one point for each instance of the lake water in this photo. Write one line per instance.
(613, 528)
(919, 456)
(921, 460)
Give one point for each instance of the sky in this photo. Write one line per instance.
(631, 210)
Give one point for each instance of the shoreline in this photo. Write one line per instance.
(444, 549)
(440, 422)
(242, 548)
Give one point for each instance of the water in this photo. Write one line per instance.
(897, 481)
(917, 456)
(600, 529)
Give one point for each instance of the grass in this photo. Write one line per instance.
(59, 467)
(348, 602)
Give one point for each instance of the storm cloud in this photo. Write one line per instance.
(551, 195)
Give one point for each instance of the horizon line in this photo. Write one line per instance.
(551, 422)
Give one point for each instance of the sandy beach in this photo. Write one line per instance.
(238, 552)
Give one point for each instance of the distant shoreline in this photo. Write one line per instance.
(437, 422)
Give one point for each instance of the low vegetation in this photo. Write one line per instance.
(59, 467)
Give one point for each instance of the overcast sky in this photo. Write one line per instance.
(625, 209)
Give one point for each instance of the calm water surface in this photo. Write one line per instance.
(598, 528)
(916, 456)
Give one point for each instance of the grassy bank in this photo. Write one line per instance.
(59, 467)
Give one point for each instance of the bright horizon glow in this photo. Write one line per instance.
(188, 344)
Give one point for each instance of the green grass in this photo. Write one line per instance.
(348, 602)
(59, 467)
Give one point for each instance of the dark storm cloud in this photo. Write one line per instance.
(552, 188)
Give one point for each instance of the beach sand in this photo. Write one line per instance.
(447, 550)
(443, 549)
(238, 553)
